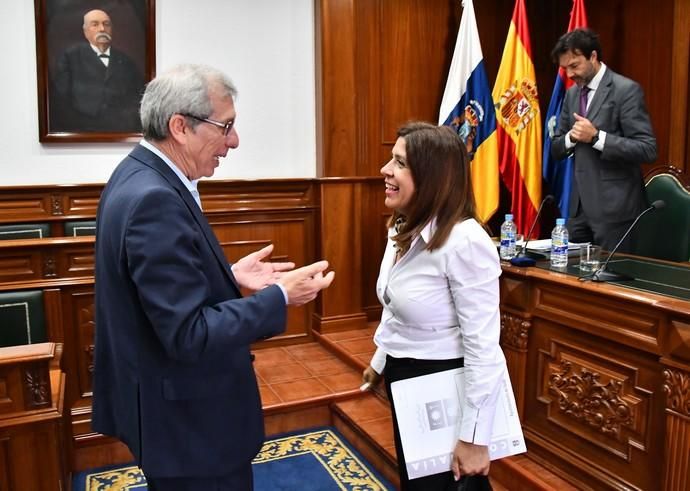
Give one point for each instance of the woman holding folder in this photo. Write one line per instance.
(438, 286)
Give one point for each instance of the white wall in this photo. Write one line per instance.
(266, 46)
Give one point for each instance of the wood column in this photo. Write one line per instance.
(676, 386)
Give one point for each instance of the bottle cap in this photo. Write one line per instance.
(509, 216)
(560, 221)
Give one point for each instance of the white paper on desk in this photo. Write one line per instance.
(545, 245)
(428, 413)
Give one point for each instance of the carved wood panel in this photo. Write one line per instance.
(598, 397)
(83, 314)
(36, 383)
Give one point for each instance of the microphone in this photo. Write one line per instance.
(602, 274)
(522, 259)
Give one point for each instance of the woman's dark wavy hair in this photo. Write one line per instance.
(440, 168)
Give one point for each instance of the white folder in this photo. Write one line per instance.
(428, 412)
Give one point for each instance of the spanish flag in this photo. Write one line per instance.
(518, 123)
(467, 107)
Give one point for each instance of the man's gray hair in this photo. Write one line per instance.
(183, 89)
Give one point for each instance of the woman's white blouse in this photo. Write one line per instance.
(444, 304)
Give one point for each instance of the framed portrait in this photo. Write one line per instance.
(93, 61)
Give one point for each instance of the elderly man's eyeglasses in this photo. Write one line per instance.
(226, 127)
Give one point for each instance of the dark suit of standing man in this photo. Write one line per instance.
(97, 87)
(610, 135)
(173, 371)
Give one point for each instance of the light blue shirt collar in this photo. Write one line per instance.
(190, 185)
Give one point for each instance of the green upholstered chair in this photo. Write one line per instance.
(21, 318)
(665, 233)
(24, 231)
(80, 228)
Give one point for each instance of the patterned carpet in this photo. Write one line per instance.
(312, 460)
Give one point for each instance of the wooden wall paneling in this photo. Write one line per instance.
(680, 87)
(368, 78)
(256, 195)
(48, 203)
(336, 129)
(6, 473)
(339, 234)
(645, 55)
(374, 218)
(417, 38)
(52, 307)
(292, 234)
(78, 317)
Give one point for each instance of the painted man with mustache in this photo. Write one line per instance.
(98, 87)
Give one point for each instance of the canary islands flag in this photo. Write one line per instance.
(518, 123)
(558, 174)
(467, 107)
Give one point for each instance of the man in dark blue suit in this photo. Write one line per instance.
(173, 371)
(97, 87)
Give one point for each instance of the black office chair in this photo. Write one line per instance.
(665, 233)
(22, 320)
(24, 231)
(80, 228)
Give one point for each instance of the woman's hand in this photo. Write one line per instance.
(371, 377)
(470, 459)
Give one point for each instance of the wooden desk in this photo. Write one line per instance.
(602, 378)
(33, 426)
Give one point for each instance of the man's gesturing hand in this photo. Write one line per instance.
(303, 284)
(254, 273)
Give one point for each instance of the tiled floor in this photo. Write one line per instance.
(306, 371)
(357, 344)
(302, 372)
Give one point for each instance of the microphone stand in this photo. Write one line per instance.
(602, 274)
(522, 258)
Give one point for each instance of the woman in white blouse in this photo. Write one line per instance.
(438, 286)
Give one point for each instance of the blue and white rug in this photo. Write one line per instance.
(314, 460)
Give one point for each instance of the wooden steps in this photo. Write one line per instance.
(365, 421)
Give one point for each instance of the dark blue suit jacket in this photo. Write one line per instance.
(173, 375)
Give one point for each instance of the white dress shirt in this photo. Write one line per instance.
(442, 305)
(191, 185)
(105, 60)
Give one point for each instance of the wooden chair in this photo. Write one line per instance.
(665, 233)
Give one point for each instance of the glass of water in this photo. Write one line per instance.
(590, 257)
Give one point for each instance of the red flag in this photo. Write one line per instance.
(518, 122)
(578, 18)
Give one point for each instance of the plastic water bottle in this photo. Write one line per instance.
(559, 244)
(508, 231)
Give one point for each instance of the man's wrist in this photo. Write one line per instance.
(595, 138)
